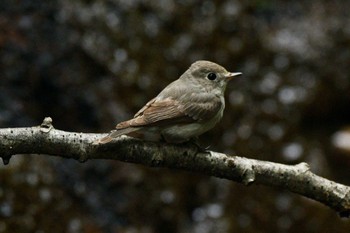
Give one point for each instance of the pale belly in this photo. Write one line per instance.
(184, 132)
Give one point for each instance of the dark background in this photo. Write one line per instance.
(91, 64)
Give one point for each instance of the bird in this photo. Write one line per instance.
(183, 110)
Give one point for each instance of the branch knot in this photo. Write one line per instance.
(46, 125)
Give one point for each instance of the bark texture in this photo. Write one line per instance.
(45, 139)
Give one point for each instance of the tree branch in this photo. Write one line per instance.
(44, 139)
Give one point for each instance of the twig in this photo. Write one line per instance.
(45, 139)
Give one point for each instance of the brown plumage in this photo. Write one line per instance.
(185, 108)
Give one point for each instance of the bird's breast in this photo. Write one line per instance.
(183, 132)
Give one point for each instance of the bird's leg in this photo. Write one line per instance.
(195, 141)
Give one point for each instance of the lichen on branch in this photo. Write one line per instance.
(46, 140)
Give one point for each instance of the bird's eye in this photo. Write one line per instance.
(211, 76)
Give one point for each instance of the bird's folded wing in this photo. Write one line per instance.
(162, 112)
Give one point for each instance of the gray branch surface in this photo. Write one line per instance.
(44, 139)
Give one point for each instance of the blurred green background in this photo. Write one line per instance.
(91, 64)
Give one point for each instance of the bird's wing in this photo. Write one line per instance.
(187, 108)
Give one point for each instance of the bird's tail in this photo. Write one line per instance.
(114, 134)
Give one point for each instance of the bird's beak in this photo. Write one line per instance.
(230, 75)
